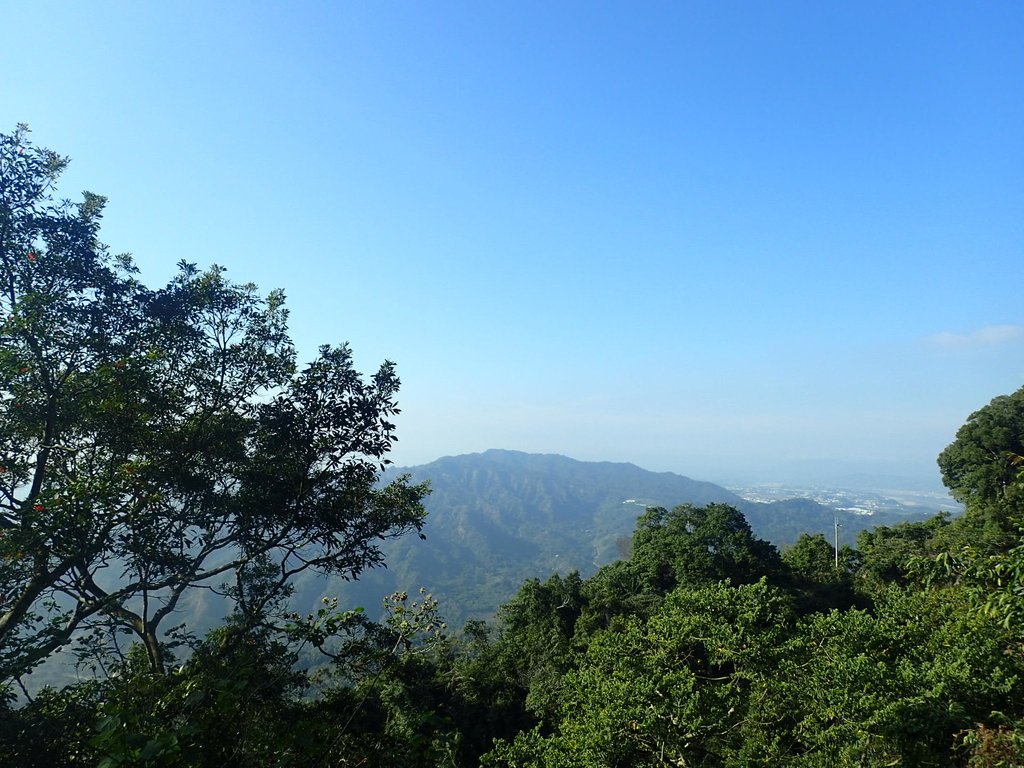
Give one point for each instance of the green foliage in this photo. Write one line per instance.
(697, 545)
(981, 466)
(51, 731)
(674, 690)
(887, 551)
(617, 591)
(818, 584)
(996, 585)
(155, 441)
(727, 676)
(813, 559)
(993, 583)
(685, 546)
(895, 687)
(714, 674)
(228, 705)
(537, 629)
(240, 700)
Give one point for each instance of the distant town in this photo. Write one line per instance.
(915, 503)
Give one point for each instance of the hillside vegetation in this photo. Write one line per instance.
(497, 518)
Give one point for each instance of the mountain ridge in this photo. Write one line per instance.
(498, 517)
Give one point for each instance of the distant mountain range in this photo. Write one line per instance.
(500, 517)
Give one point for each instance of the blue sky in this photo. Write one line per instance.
(721, 239)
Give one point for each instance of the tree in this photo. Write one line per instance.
(723, 675)
(154, 441)
(816, 581)
(679, 688)
(537, 630)
(700, 545)
(898, 685)
(887, 551)
(685, 546)
(980, 468)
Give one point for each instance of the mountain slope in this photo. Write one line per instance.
(499, 517)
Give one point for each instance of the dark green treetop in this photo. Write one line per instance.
(698, 545)
(980, 467)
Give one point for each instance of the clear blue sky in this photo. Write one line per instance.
(712, 238)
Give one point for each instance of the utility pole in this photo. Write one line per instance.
(838, 526)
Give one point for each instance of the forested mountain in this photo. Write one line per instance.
(499, 517)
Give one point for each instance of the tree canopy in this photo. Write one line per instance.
(691, 544)
(981, 467)
(157, 440)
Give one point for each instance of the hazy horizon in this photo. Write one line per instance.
(822, 472)
(727, 241)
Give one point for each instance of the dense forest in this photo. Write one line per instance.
(159, 442)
